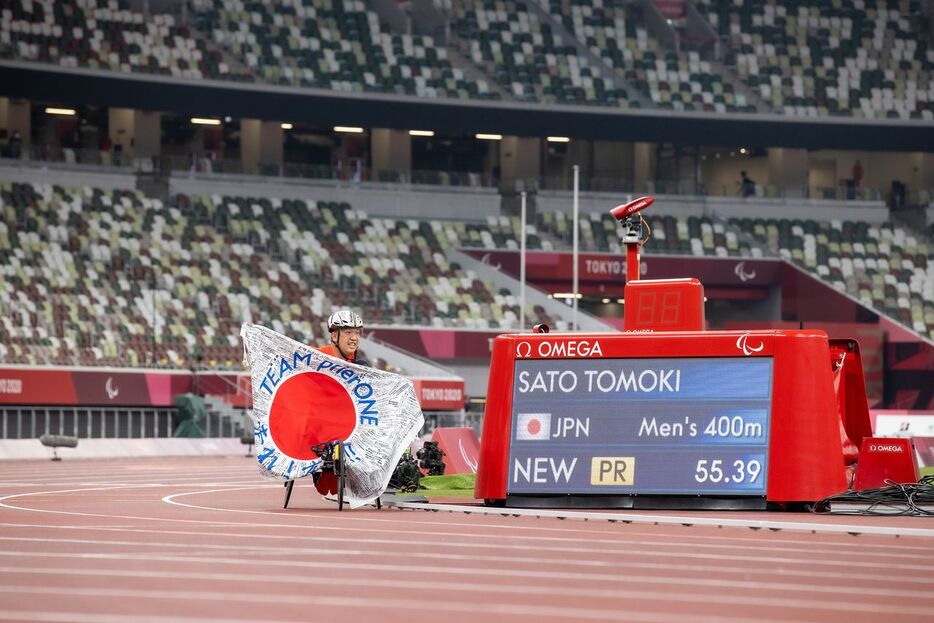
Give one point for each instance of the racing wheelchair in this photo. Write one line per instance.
(331, 478)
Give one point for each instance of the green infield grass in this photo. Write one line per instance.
(453, 485)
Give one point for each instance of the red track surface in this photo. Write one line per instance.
(206, 540)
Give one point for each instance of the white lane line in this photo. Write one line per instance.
(149, 483)
(46, 616)
(693, 520)
(117, 477)
(506, 541)
(661, 598)
(621, 545)
(429, 570)
(405, 549)
(428, 583)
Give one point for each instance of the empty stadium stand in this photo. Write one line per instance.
(333, 45)
(887, 267)
(687, 235)
(811, 58)
(109, 277)
(527, 58)
(671, 79)
(107, 34)
(869, 59)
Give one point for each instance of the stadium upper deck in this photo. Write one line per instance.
(815, 59)
(866, 59)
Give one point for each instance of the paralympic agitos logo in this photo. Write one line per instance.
(743, 344)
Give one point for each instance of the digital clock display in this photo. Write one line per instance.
(664, 305)
(664, 308)
(677, 426)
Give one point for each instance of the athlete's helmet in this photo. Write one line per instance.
(344, 319)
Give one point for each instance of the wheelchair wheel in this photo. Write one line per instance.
(339, 472)
(288, 493)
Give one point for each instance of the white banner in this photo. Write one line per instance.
(302, 397)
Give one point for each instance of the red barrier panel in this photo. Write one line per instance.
(92, 386)
(461, 449)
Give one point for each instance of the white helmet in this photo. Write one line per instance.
(344, 318)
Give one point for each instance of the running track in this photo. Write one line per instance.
(205, 539)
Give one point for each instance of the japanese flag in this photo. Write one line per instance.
(533, 426)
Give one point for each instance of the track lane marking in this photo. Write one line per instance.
(620, 545)
(478, 607)
(587, 576)
(434, 584)
(405, 549)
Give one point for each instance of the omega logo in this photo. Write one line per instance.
(877, 448)
(568, 348)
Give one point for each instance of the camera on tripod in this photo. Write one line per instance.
(431, 458)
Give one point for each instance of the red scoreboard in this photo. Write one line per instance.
(685, 419)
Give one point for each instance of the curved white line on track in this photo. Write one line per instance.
(478, 510)
(623, 517)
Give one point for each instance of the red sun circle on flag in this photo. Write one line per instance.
(534, 426)
(310, 408)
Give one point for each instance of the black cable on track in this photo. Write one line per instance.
(915, 499)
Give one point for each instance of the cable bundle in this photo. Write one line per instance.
(895, 499)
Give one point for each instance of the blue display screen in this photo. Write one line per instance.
(641, 426)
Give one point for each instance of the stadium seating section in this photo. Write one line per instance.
(814, 58)
(600, 233)
(529, 60)
(106, 34)
(886, 267)
(671, 79)
(333, 45)
(116, 278)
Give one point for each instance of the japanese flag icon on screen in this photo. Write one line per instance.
(533, 426)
